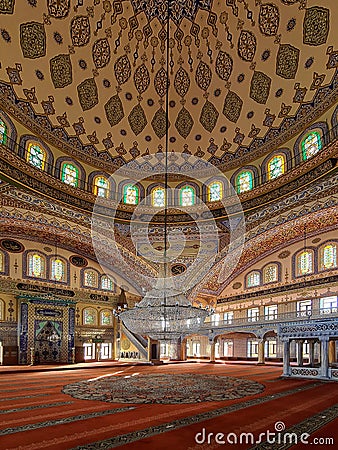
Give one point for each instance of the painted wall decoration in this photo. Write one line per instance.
(12, 246)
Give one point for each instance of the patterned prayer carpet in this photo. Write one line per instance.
(163, 388)
(37, 413)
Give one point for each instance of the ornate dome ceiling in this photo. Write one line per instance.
(243, 76)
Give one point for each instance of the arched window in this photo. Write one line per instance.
(215, 191)
(107, 283)
(70, 174)
(253, 279)
(158, 197)
(187, 196)
(304, 262)
(328, 256)
(3, 132)
(244, 181)
(90, 278)
(131, 194)
(36, 156)
(101, 186)
(311, 145)
(270, 273)
(89, 316)
(106, 318)
(36, 265)
(276, 166)
(58, 270)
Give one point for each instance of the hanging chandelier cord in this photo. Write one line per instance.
(166, 167)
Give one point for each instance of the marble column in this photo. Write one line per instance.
(332, 352)
(261, 357)
(324, 356)
(311, 353)
(212, 351)
(300, 353)
(286, 358)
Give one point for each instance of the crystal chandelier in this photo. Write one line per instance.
(165, 313)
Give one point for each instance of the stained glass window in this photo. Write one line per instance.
(187, 196)
(158, 197)
(270, 273)
(70, 174)
(106, 318)
(215, 191)
(244, 182)
(36, 266)
(130, 194)
(304, 262)
(58, 270)
(253, 279)
(36, 156)
(101, 186)
(107, 283)
(328, 256)
(2, 262)
(90, 278)
(89, 316)
(276, 166)
(311, 145)
(3, 132)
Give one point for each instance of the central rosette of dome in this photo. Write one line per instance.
(176, 9)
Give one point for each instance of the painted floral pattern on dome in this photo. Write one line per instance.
(106, 67)
(269, 19)
(178, 9)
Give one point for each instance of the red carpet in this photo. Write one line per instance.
(34, 414)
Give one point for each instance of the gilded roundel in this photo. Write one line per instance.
(284, 254)
(177, 269)
(12, 246)
(161, 82)
(224, 65)
(203, 75)
(78, 261)
(141, 78)
(246, 45)
(80, 31)
(33, 40)
(182, 82)
(101, 53)
(184, 123)
(58, 8)
(316, 25)
(268, 19)
(122, 69)
(137, 119)
(61, 71)
(114, 110)
(125, 344)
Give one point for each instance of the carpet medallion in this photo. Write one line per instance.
(163, 388)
